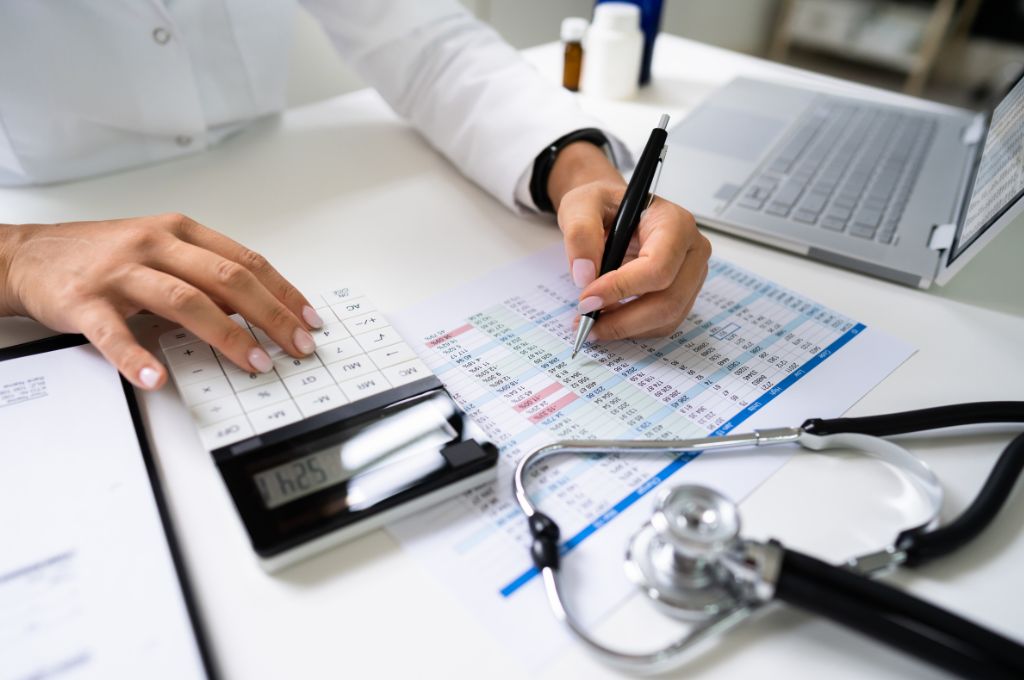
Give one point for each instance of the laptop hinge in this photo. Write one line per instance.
(942, 236)
(975, 131)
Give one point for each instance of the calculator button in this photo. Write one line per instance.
(395, 354)
(271, 417)
(197, 372)
(332, 331)
(322, 400)
(225, 432)
(351, 308)
(340, 295)
(302, 383)
(215, 411)
(208, 390)
(264, 395)
(364, 386)
(407, 372)
(287, 365)
(339, 351)
(366, 322)
(382, 337)
(178, 336)
(241, 380)
(351, 368)
(272, 348)
(192, 353)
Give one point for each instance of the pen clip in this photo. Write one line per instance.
(657, 176)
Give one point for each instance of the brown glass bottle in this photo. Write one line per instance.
(573, 29)
(573, 66)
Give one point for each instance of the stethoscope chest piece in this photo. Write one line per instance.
(673, 557)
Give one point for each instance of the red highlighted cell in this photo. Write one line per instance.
(554, 408)
(449, 335)
(536, 398)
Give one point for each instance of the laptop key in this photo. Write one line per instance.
(750, 203)
(833, 223)
(776, 208)
(862, 231)
(839, 213)
(805, 216)
(868, 218)
(813, 202)
(788, 193)
(885, 236)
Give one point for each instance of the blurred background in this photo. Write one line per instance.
(955, 51)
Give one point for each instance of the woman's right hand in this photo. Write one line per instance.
(87, 277)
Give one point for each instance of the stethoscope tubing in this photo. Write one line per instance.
(895, 618)
(842, 593)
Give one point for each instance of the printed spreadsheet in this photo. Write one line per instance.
(506, 361)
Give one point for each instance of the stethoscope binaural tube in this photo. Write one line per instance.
(763, 573)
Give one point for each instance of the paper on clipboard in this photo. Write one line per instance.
(88, 586)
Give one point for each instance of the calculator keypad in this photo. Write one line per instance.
(358, 354)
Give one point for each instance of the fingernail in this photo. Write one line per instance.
(304, 341)
(311, 317)
(583, 272)
(590, 304)
(260, 360)
(149, 377)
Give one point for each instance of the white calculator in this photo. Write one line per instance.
(330, 446)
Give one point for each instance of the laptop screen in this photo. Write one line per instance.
(999, 182)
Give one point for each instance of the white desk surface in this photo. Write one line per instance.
(343, 192)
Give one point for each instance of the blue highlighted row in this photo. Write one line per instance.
(685, 458)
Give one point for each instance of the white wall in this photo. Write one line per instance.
(744, 25)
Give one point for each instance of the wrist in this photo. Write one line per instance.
(11, 237)
(577, 164)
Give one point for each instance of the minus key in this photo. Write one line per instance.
(391, 355)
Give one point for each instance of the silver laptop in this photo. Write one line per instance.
(892, 191)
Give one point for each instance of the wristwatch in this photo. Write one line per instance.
(546, 160)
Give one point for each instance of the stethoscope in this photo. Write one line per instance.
(691, 562)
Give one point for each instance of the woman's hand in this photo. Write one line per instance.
(665, 266)
(87, 277)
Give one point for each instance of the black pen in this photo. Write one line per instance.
(638, 196)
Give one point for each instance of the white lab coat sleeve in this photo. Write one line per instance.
(464, 88)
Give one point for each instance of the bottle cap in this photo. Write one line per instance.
(573, 29)
(617, 16)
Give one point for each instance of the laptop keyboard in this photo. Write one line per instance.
(845, 168)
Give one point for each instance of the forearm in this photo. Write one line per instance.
(9, 236)
(577, 164)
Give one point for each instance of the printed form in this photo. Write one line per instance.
(750, 354)
(88, 588)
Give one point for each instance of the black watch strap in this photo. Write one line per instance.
(546, 160)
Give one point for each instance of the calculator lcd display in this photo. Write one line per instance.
(375, 461)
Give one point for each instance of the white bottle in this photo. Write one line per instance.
(613, 51)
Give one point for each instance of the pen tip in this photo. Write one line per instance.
(573, 356)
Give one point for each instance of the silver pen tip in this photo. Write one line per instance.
(573, 355)
(663, 121)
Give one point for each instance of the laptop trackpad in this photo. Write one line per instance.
(729, 132)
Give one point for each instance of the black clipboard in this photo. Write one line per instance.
(58, 342)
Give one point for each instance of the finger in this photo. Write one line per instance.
(230, 284)
(656, 314)
(185, 304)
(108, 332)
(581, 217)
(192, 232)
(666, 241)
